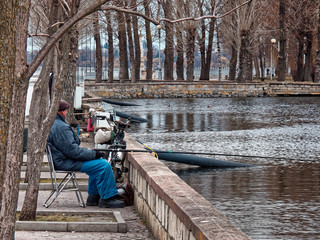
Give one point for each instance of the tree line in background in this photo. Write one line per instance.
(240, 37)
(58, 27)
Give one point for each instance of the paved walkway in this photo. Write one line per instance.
(67, 201)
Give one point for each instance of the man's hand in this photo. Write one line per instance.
(100, 154)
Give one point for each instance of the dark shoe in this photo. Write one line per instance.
(93, 200)
(111, 203)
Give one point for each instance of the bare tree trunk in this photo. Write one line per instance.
(219, 55)
(317, 62)
(70, 80)
(202, 47)
(180, 53)
(13, 163)
(282, 66)
(205, 68)
(15, 14)
(7, 76)
(256, 67)
(298, 75)
(234, 45)
(97, 39)
(179, 27)
(36, 142)
(149, 43)
(168, 51)
(71, 63)
(110, 48)
(244, 58)
(233, 63)
(308, 57)
(190, 46)
(262, 65)
(122, 36)
(38, 132)
(136, 39)
(209, 50)
(131, 50)
(190, 28)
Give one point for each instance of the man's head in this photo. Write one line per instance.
(63, 107)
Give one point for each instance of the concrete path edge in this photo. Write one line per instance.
(119, 226)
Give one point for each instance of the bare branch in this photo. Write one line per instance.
(65, 7)
(56, 36)
(119, 9)
(157, 22)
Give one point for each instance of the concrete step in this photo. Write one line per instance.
(47, 186)
(46, 175)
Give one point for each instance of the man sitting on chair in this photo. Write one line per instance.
(68, 155)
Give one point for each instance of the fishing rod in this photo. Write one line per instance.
(204, 153)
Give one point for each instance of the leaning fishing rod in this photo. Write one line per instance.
(203, 153)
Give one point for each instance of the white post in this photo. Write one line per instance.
(273, 41)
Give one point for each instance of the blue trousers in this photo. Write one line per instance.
(101, 179)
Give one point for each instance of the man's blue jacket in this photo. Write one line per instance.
(64, 145)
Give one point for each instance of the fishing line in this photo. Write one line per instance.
(204, 153)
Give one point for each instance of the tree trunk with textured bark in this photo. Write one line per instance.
(36, 141)
(233, 63)
(262, 62)
(71, 63)
(97, 39)
(149, 43)
(136, 40)
(40, 127)
(180, 53)
(308, 57)
(299, 72)
(131, 50)
(317, 62)
(110, 48)
(245, 61)
(123, 53)
(206, 59)
(169, 50)
(190, 46)
(282, 65)
(13, 33)
(7, 76)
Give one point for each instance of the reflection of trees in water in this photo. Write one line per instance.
(190, 122)
(187, 121)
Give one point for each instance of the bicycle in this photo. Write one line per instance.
(115, 157)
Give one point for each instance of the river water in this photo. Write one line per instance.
(277, 198)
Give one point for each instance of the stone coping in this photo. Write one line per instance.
(194, 211)
(119, 225)
(91, 83)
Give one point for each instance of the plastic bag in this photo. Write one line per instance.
(102, 136)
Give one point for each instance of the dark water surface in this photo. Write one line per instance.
(276, 199)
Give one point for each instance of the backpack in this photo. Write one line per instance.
(125, 193)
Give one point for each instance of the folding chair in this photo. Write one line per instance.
(57, 188)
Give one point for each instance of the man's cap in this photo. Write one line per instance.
(63, 105)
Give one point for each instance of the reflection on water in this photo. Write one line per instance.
(277, 199)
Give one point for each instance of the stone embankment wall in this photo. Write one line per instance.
(171, 208)
(201, 89)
